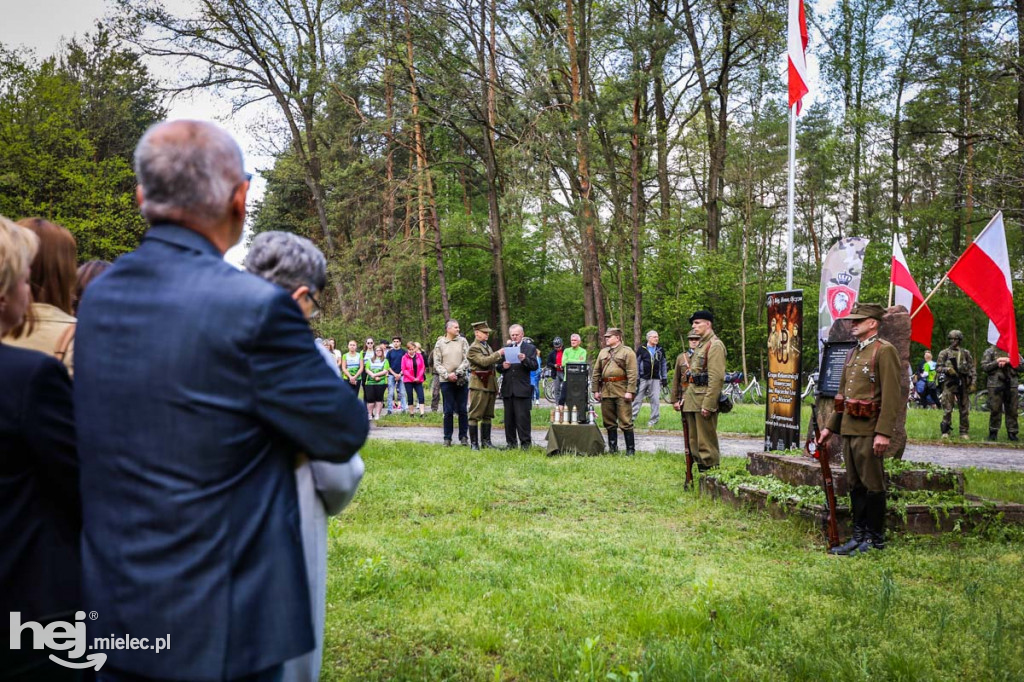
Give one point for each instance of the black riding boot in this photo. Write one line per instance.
(613, 440)
(875, 513)
(485, 435)
(474, 441)
(857, 500)
(630, 442)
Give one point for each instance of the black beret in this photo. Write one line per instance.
(703, 315)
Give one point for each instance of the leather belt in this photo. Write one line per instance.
(609, 379)
(483, 375)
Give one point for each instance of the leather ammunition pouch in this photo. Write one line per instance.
(862, 409)
(699, 379)
(483, 376)
(839, 403)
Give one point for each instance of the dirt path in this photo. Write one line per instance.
(957, 456)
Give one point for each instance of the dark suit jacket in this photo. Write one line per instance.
(195, 386)
(40, 510)
(515, 382)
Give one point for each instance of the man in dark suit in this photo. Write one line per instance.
(517, 391)
(197, 384)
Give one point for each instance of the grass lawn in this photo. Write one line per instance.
(459, 565)
(922, 425)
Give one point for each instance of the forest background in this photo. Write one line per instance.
(569, 166)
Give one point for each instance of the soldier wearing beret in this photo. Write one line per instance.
(703, 385)
(615, 378)
(679, 380)
(865, 417)
(483, 386)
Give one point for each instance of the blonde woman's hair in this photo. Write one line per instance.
(18, 246)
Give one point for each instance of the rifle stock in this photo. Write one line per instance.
(689, 455)
(811, 448)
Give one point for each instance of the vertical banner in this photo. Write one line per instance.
(785, 325)
(840, 283)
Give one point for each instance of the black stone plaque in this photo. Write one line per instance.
(833, 357)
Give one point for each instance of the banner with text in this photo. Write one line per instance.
(785, 325)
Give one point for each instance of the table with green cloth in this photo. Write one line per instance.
(580, 439)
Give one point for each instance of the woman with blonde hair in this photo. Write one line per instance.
(41, 516)
(376, 383)
(51, 325)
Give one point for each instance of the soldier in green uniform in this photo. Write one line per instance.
(614, 378)
(483, 386)
(865, 417)
(703, 383)
(956, 371)
(1002, 391)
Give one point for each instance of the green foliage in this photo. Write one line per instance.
(68, 126)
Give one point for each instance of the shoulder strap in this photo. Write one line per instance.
(64, 342)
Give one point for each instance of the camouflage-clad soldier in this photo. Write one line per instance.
(957, 374)
(483, 386)
(1002, 391)
(865, 416)
(614, 379)
(704, 382)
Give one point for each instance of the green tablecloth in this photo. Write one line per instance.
(575, 439)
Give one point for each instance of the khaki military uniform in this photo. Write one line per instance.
(679, 380)
(871, 374)
(483, 381)
(1002, 392)
(957, 368)
(702, 388)
(614, 375)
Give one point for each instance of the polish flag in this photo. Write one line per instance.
(797, 47)
(907, 294)
(983, 272)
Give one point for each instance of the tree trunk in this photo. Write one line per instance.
(635, 181)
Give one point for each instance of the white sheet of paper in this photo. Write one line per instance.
(512, 355)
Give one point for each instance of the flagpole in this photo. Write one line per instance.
(927, 298)
(891, 286)
(792, 183)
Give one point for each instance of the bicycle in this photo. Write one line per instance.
(979, 402)
(547, 385)
(731, 388)
(753, 391)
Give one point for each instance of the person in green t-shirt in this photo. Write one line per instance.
(376, 372)
(574, 353)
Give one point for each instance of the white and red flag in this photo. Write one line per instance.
(797, 48)
(983, 272)
(907, 294)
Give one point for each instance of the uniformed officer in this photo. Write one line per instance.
(483, 386)
(956, 370)
(615, 378)
(679, 380)
(1002, 391)
(703, 386)
(865, 416)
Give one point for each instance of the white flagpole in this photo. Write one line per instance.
(792, 182)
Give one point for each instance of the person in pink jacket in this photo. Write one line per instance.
(413, 375)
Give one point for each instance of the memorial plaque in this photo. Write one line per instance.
(833, 357)
(577, 380)
(782, 409)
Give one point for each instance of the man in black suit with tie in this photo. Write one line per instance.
(517, 391)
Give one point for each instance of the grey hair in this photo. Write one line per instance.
(575, 336)
(515, 326)
(651, 333)
(288, 260)
(450, 323)
(187, 167)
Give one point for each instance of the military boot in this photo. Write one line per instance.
(474, 441)
(993, 435)
(485, 435)
(613, 440)
(875, 512)
(630, 442)
(857, 500)
(944, 428)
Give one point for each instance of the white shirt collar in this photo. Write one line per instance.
(864, 344)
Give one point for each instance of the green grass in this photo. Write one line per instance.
(922, 425)
(459, 565)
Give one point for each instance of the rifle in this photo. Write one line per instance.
(811, 449)
(689, 455)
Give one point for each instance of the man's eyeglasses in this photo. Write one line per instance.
(316, 304)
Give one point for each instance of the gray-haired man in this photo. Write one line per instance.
(653, 371)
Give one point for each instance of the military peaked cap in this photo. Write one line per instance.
(482, 327)
(862, 311)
